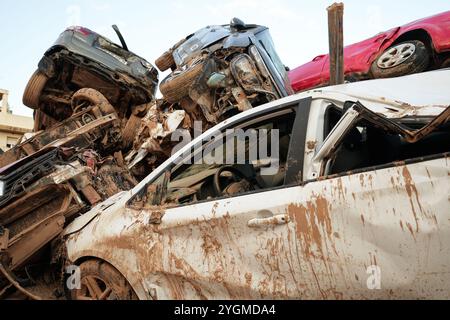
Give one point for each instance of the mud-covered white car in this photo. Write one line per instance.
(357, 208)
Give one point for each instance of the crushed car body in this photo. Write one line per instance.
(361, 192)
(57, 174)
(216, 72)
(223, 69)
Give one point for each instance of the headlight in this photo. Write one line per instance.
(245, 72)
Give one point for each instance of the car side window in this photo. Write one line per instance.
(250, 157)
(246, 159)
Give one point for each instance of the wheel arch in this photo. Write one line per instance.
(417, 34)
(54, 49)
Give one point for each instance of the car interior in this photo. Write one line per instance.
(203, 181)
(367, 145)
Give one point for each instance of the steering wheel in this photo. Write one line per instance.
(233, 170)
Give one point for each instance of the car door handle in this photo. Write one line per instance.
(270, 221)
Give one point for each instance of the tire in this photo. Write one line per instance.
(33, 90)
(446, 63)
(412, 62)
(165, 61)
(101, 281)
(176, 87)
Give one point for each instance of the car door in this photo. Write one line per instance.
(231, 247)
(375, 229)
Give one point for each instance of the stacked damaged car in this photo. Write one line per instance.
(81, 93)
(216, 72)
(99, 129)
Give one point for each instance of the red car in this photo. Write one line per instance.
(415, 47)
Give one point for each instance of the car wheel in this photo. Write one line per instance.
(401, 59)
(446, 63)
(86, 97)
(33, 90)
(101, 281)
(176, 86)
(165, 61)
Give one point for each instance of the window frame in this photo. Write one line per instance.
(349, 120)
(298, 132)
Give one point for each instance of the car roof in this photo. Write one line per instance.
(426, 92)
(420, 94)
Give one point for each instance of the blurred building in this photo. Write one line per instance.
(12, 127)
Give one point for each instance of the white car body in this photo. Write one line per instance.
(377, 233)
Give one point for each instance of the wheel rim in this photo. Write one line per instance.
(396, 55)
(94, 288)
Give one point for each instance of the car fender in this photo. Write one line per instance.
(437, 27)
(358, 57)
(97, 234)
(133, 278)
(440, 37)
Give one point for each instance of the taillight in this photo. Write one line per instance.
(84, 31)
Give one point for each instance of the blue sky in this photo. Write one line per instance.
(299, 28)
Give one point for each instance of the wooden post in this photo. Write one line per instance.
(336, 42)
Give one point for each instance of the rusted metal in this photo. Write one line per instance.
(16, 284)
(336, 42)
(4, 238)
(91, 195)
(81, 130)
